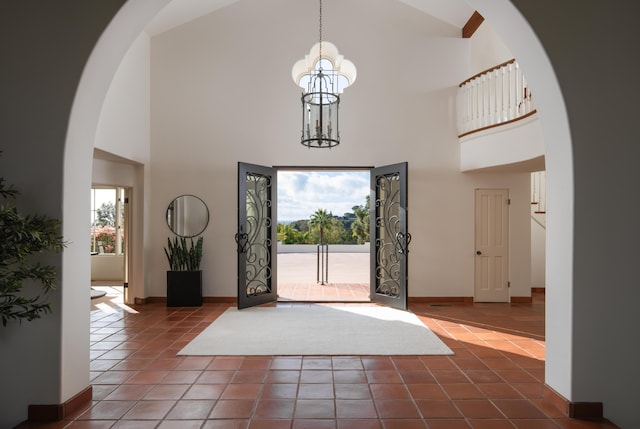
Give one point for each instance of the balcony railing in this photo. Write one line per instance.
(497, 96)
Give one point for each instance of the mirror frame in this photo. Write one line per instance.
(170, 213)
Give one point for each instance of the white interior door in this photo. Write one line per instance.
(492, 245)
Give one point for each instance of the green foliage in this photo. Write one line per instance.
(22, 237)
(106, 214)
(324, 227)
(288, 234)
(183, 255)
(360, 227)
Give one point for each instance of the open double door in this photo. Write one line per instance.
(257, 240)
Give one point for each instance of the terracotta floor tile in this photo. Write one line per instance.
(225, 363)
(383, 376)
(316, 391)
(404, 424)
(491, 424)
(279, 391)
(396, 409)
(149, 410)
(349, 376)
(437, 409)
(136, 424)
(415, 376)
(389, 391)
(448, 424)
(494, 379)
(478, 409)
(427, 391)
(270, 424)
(449, 376)
(347, 363)
(518, 409)
(535, 424)
(194, 362)
(181, 424)
(106, 410)
(232, 409)
(359, 424)
(314, 424)
(315, 409)
(242, 391)
(283, 376)
(316, 376)
(215, 377)
(462, 391)
(226, 424)
(191, 410)
(352, 391)
(147, 377)
(253, 363)
(499, 391)
(275, 409)
(249, 376)
(127, 392)
(204, 391)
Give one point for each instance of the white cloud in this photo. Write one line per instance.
(301, 193)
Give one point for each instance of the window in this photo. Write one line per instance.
(107, 220)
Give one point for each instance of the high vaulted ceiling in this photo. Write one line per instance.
(178, 12)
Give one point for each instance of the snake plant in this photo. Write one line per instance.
(184, 255)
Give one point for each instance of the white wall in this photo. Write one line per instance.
(107, 266)
(518, 142)
(222, 94)
(487, 49)
(123, 128)
(538, 251)
(123, 153)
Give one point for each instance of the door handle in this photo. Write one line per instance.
(478, 252)
(402, 242)
(242, 240)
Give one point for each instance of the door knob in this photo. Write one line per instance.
(478, 252)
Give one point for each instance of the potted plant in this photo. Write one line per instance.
(184, 279)
(21, 239)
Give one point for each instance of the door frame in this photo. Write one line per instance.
(401, 245)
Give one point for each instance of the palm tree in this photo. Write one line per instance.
(322, 220)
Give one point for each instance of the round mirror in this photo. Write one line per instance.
(187, 216)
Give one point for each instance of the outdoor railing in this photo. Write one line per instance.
(496, 96)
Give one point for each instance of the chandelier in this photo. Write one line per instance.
(320, 99)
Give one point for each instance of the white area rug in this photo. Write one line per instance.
(316, 330)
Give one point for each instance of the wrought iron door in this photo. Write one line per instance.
(256, 237)
(389, 236)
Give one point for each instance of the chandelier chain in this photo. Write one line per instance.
(320, 31)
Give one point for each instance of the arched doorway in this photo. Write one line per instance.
(132, 19)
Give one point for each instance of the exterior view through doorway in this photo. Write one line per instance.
(264, 235)
(323, 234)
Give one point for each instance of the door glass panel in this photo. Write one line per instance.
(258, 230)
(388, 225)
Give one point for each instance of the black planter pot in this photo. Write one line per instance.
(184, 288)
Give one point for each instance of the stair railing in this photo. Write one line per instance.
(496, 96)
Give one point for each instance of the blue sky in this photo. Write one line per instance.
(301, 193)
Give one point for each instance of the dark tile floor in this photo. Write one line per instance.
(494, 380)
